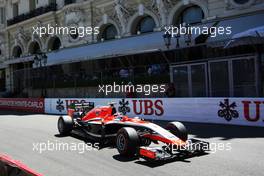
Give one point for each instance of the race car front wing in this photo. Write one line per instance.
(192, 147)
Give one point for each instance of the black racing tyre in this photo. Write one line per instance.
(178, 129)
(127, 141)
(65, 125)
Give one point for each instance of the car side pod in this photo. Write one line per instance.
(193, 147)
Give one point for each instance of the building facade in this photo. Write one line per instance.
(130, 41)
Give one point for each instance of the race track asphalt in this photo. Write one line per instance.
(18, 133)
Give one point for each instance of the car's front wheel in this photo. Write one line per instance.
(178, 129)
(127, 141)
(65, 125)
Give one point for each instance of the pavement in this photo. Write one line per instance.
(240, 151)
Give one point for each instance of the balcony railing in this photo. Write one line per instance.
(31, 14)
(66, 2)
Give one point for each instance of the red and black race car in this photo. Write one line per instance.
(131, 136)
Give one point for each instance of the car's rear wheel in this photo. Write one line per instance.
(127, 141)
(65, 125)
(178, 129)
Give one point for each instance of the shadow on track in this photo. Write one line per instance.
(199, 130)
(181, 157)
(148, 163)
(153, 164)
(16, 113)
(106, 144)
(226, 132)
(124, 159)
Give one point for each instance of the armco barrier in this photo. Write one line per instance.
(10, 167)
(235, 111)
(35, 105)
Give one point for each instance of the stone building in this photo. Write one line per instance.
(130, 42)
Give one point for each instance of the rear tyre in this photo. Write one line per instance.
(178, 129)
(65, 125)
(127, 141)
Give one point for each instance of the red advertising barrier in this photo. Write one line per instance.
(23, 104)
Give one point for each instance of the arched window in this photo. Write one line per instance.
(109, 32)
(190, 15)
(17, 51)
(145, 25)
(34, 48)
(54, 44)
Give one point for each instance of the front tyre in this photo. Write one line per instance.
(127, 141)
(65, 125)
(178, 129)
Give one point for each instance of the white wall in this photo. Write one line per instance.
(250, 111)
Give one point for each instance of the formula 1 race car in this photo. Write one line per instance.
(131, 136)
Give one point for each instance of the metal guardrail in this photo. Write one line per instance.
(10, 167)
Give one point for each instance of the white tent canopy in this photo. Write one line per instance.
(248, 37)
(255, 32)
(239, 25)
(126, 46)
(130, 45)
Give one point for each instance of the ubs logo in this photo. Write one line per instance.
(228, 110)
(60, 107)
(124, 107)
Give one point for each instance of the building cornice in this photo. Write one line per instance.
(32, 20)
